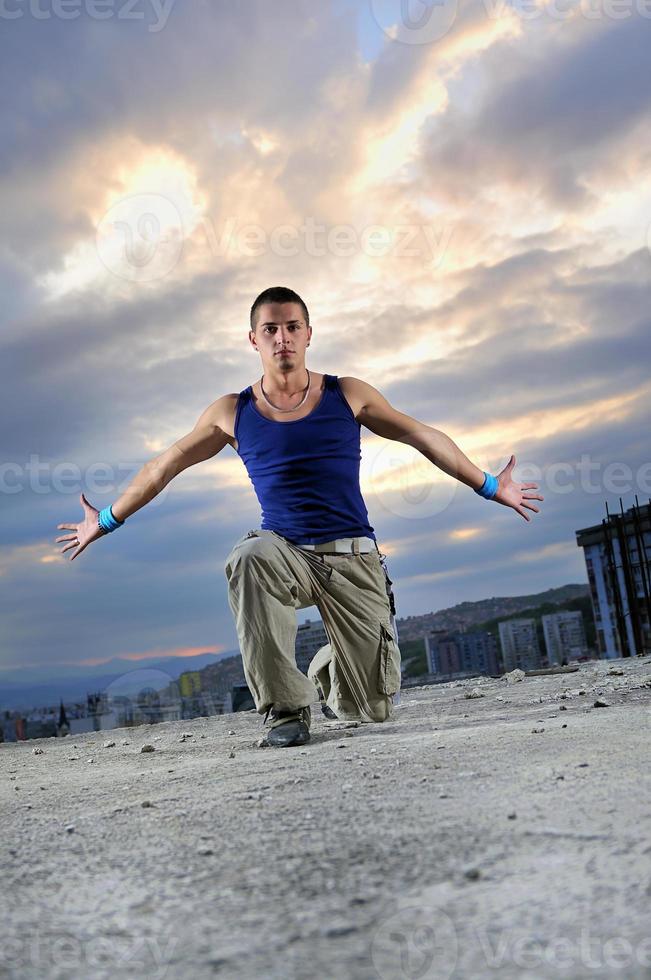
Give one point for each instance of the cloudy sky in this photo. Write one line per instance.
(461, 194)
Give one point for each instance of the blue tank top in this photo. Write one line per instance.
(305, 472)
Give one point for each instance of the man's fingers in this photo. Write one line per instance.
(67, 527)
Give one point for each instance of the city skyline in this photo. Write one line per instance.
(464, 615)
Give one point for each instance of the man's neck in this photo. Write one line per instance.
(285, 382)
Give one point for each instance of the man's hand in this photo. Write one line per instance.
(512, 494)
(84, 533)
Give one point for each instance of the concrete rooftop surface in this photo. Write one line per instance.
(502, 835)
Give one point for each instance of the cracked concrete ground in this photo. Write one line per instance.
(469, 837)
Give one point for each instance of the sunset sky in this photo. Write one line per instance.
(464, 203)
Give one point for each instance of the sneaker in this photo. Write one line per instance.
(291, 727)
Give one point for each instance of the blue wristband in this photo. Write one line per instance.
(107, 521)
(489, 487)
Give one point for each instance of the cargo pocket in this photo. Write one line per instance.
(389, 670)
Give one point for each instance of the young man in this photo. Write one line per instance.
(298, 434)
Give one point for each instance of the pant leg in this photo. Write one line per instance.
(322, 674)
(359, 669)
(268, 579)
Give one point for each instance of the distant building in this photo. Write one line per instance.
(452, 653)
(564, 637)
(94, 723)
(519, 644)
(190, 683)
(478, 652)
(617, 561)
(310, 637)
(443, 655)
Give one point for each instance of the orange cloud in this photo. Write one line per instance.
(155, 655)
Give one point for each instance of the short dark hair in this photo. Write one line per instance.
(277, 294)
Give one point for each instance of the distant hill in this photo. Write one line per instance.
(469, 615)
(582, 603)
(221, 677)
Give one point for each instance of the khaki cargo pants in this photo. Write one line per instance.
(358, 671)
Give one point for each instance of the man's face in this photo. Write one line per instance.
(281, 335)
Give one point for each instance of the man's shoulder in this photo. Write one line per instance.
(350, 382)
(356, 386)
(355, 391)
(222, 412)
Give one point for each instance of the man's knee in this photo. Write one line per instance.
(320, 663)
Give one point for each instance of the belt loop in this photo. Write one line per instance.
(355, 546)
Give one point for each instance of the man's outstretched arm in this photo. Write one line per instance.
(378, 415)
(205, 440)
